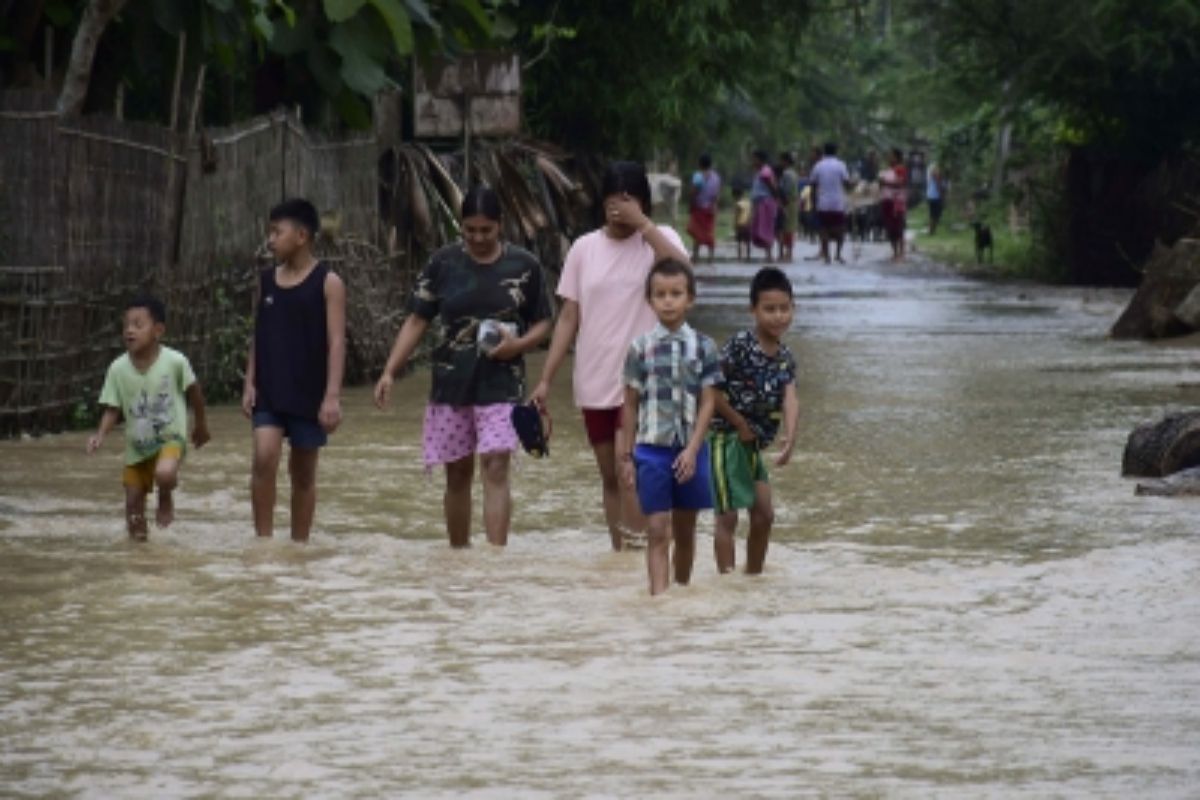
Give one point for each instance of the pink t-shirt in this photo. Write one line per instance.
(607, 277)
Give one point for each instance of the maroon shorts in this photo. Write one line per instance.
(893, 219)
(831, 220)
(602, 424)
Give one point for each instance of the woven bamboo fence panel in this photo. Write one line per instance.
(94, 210)
(90, 215)
(97, 209)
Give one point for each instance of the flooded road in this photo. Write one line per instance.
(962, 597)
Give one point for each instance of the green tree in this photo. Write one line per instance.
(1124, 73)
(1105, 87)
(630, 74)
(322, 54)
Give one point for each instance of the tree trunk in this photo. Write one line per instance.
(1003, 138)
(95, 19)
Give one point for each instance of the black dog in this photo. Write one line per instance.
(983, 241)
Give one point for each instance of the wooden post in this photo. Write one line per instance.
(181, 193)
(281, 119)
(170, 239)
(466, 123)
(48, 76)
(119, 102)
(180, 52)
(197, 100)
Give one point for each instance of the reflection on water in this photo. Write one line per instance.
(962, 597)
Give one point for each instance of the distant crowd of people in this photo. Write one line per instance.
(821, 197)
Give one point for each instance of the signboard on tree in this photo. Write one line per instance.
(484, 88)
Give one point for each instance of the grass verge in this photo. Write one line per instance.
(1016, 255)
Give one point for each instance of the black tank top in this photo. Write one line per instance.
(291, 345)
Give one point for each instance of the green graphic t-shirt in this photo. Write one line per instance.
(152, 402)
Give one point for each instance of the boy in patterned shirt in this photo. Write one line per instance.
(670, 379)
(760, 387)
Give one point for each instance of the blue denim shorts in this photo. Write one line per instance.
(656, 485)
(304, 433)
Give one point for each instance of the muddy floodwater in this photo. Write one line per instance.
(962, 598)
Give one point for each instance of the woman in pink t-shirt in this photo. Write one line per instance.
(604, 308)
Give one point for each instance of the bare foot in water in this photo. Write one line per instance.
(166, 509)
(137, 527)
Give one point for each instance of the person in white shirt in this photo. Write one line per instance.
(831, 179)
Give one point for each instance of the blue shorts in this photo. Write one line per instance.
(656, 485)
(304, 433)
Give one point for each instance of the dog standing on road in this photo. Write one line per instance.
(983, 242)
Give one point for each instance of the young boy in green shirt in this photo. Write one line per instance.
(148, 386)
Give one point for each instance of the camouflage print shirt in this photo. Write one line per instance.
(463, 293)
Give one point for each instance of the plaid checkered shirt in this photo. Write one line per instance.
(669, 369)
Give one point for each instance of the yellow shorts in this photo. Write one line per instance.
(141, 474)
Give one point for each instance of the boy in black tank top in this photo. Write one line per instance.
(294, 372)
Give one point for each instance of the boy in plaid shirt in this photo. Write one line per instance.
(671, 374)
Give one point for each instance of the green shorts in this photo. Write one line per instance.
(736, 467)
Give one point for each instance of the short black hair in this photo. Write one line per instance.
(299, 211)
(482, 201)
(786, 157)
(831, 148)
(669, 267)
(769, 279)
(627, 177)
(762, 156)
(158, 311)
(705, 161)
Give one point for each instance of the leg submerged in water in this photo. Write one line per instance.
(658, 551)
(622, 512)
(460, 475)
(302, 467)
(610, 489)
(497, 497)
(683, 531)
(166, 478)
(135, 513)
(762, 519)
(724, 531)
(264, 469)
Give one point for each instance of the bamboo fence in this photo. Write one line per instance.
(94, 209)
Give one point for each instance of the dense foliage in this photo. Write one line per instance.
(328, 56)
(1121, 73)
(628, 76)
(1079, 100)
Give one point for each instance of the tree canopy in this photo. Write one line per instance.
(324, 55)
(1121, 73)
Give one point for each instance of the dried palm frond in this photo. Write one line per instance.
(441, 178)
